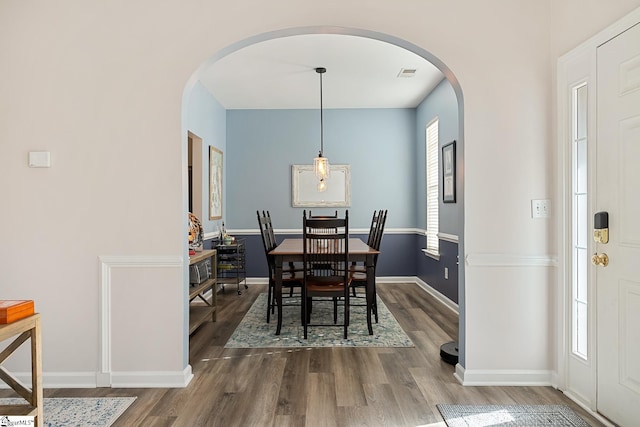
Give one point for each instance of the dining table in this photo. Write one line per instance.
(292, 250)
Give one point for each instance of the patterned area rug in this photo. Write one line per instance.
(510, 415)
(79, 412)
(254, 331)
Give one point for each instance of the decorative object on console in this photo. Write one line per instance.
(12, 310)
(196, 234)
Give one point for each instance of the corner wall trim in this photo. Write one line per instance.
(105, 377)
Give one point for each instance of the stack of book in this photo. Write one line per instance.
(12, 310)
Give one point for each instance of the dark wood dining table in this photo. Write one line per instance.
(291, 250)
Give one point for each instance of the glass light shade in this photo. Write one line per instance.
(322, 186)
(321, 167)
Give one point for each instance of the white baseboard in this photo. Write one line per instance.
(389, 279)
(505, 377)
(151, 379)
(439, 296)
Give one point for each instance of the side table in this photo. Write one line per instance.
(26, 328)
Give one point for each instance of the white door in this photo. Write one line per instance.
(618, 192)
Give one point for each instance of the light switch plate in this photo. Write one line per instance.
(39, 159)
(540, 208)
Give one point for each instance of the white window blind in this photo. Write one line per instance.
(433, 188)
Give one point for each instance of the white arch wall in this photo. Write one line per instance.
(100, 86)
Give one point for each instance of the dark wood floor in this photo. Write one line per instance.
(321, 386)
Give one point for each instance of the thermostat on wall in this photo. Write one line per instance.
(39, 159)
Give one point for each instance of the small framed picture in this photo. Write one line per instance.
(449, 172)
(215, 183)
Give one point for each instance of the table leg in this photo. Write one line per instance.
(36, 372)
(278, 291)
(371, 283)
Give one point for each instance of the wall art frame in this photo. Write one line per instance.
(215, 183)
(304, 192)
(449, 172)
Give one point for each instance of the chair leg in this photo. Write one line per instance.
(269, 301)
(309, 305)
(306, 314)
(346, 315)
(335, 310)
(375, 305)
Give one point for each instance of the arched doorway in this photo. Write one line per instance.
(400, 44)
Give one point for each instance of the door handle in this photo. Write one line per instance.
(602, 260)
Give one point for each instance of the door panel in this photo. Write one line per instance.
(617, 189)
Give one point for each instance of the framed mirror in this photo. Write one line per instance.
(304, 187)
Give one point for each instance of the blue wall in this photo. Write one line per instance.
(208, 120)
(386, 151)
(263, 144)
(441, 103)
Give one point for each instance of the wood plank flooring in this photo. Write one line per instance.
(320, 386)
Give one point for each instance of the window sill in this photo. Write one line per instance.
(431, 254)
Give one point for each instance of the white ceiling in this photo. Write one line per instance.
(280, 74)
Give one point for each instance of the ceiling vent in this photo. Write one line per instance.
(407, 72)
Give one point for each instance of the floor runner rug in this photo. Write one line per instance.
(510, 415)
(254, 331)
(79, 412)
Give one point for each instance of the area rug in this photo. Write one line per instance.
(254, 331)
(510, 415)
(79, 412)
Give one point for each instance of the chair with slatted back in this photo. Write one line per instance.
(311, 216)
(291, 278)
(326, 267)
(358, 273)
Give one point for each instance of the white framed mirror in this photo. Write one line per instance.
(304, 187)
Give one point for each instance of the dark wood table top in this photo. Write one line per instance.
(295, 247)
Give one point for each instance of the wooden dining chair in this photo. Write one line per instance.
(326, 267)
(310, 215)
(291, 278)
(358, 273)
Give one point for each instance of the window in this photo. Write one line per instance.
(580, 228)
(433, 187)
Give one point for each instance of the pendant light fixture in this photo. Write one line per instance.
(321, 163)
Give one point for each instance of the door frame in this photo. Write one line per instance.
(577, 379)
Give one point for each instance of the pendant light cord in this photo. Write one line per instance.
(321, 70)
(321, 120)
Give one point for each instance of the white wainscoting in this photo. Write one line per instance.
(106, 377)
